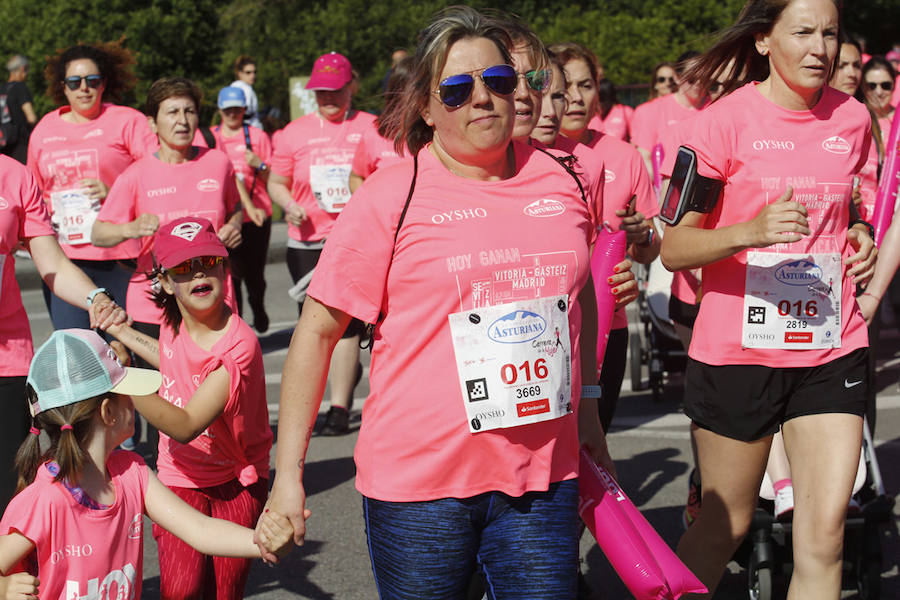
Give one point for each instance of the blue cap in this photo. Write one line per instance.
(232, 96)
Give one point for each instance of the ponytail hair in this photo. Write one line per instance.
(70, 429)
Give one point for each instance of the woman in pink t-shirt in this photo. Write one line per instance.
(663, 81)
(179, 179)
(374, 150)
(76, 153)
(485, 279)
(80, 508)
(779, 342)
(211, 410)
(24, 221)
(878, 77)
(628, 201)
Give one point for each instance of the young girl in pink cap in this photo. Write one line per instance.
(78, 522)
(211, 409)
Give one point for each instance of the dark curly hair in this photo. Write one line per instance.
(114, 61)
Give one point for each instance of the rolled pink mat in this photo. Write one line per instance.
(645, 563)
(609, 250)
(886, 195)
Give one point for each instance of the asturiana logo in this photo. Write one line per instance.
(609, 176)
(208, 185)
(545, 207)
(836, 145)
(799, 273)
(517, 327)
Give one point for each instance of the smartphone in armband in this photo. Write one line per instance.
(688, 190)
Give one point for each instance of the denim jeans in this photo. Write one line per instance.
(526, 547)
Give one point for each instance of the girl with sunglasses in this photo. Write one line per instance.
(785, 147)
(455, 469)
(662, 82)
(77, 152)
(211, 410)
(878, 78)
(311, 165)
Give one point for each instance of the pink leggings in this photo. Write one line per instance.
(184, 573)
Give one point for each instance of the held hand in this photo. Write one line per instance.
(623, 284)
(145, 225)
(783, 221)
(106, 314)
(257, 215)
(295, 214)
(591, 436)
(94, 188)
(229, 235)
(863, 262)
(868, 305)
(275, 534)
(289, 499)
(19, 586)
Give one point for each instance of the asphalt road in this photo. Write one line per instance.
(649, 442)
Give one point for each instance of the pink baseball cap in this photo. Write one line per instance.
(330, 72)
(184, 238)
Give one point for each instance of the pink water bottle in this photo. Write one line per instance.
(609, 250)
(886, 196)
(656, 158)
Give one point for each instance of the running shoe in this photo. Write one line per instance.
(784, 503)
(695, 495)
(337, 422)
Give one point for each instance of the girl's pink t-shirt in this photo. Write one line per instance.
(23, 215)
(236, 445)
(652, 118)
(234, 147)
(463, 244)
(83, 552)
(374, 152)
(759, 149)
(61, 154)
(202, 187)
(309, 151)
(616, 124)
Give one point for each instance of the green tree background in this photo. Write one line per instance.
(201, 38)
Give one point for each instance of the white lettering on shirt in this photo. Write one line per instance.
(773, 145)
(459, 263)
(499, 256)
(155, 193)
(459, 215)
(123, 579)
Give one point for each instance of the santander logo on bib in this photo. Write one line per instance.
(208, 185)
(517, 327)
(545, 207)
(836, 145)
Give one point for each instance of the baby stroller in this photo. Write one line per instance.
(767, 550)
(654, 342)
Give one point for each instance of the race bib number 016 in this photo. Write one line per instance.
(331, 186)
(792, 301)
(514, 362)
(76, 215)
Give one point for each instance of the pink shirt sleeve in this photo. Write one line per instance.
(644, 126)
(37, 220)
(121, 202)
(361, 161)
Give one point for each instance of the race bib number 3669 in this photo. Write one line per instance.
(514, 362)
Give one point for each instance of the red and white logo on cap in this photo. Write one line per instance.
(187, 231)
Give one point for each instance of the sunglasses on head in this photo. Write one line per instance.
(500, 79)
(199, 263)
(537, 79)
(74, 82)
(885, 85)
(665, 80)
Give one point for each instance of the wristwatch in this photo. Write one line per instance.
(262, 167)
(94, 292)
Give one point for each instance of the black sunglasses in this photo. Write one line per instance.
(74, 82)
(538, 80)
(500, 79)
(885, 85)
(665, 79)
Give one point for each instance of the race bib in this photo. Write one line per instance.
(331, 186)
(76, 216)
(792, 301)
(514, 362)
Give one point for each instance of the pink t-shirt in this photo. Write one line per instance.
(237, 443)
(758, 149)
(463, 244)
(83, 552)
(868, 184)
(23, 215)
(652, 118)
(202, 187)
(616, 124)
(61, 154)
(624, 176)
(315, 153)
(374, 152)
(234, 147)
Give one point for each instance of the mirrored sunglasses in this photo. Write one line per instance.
(537, 79)
(74, 82)
(199, 263)
(456, 89)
